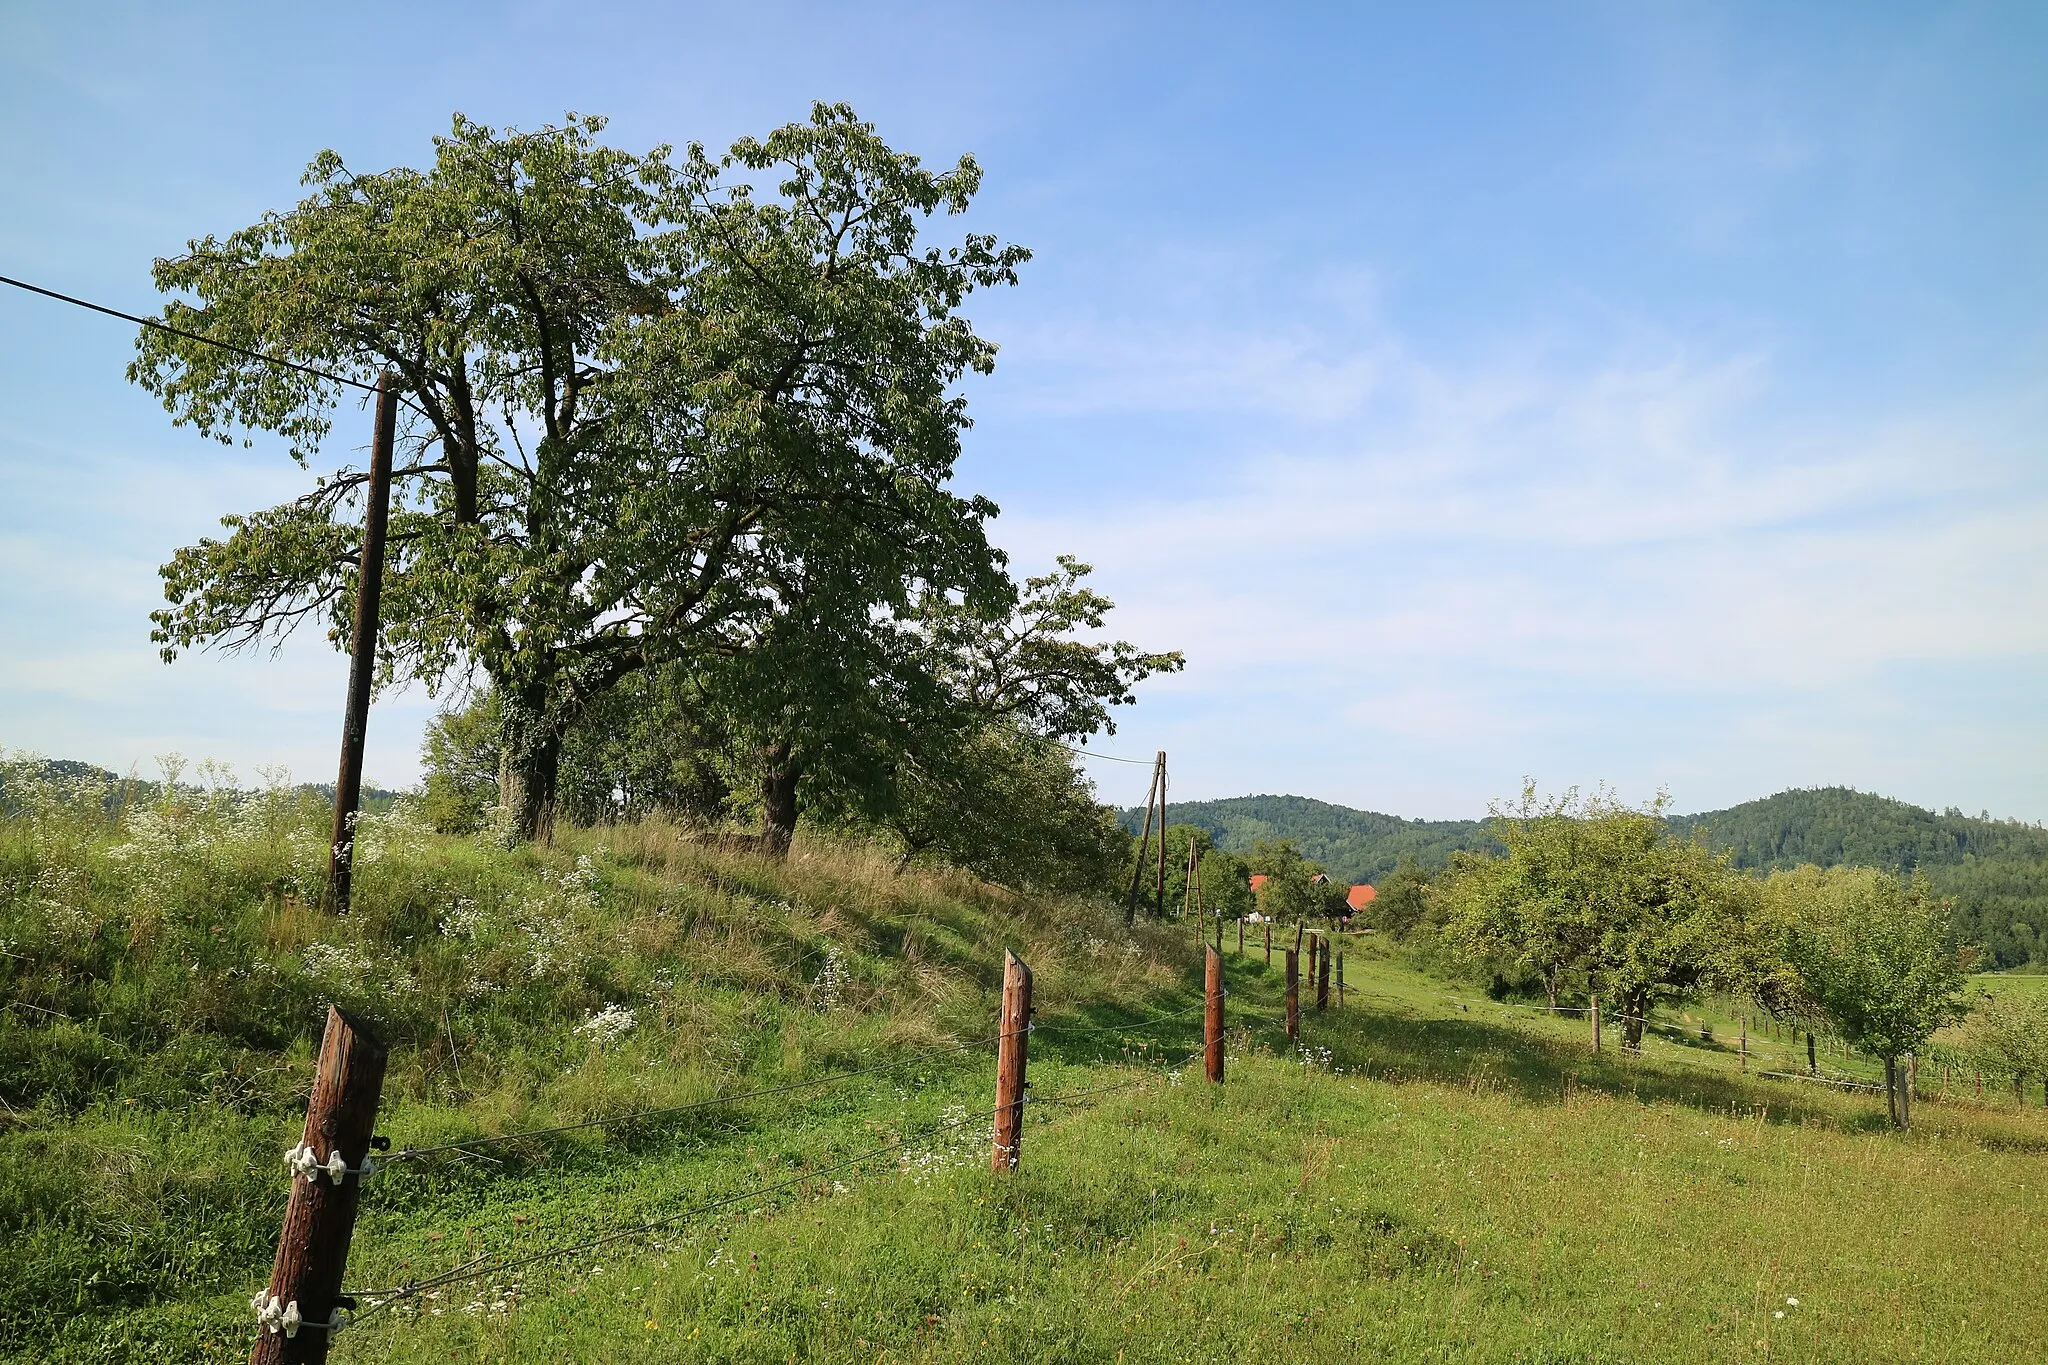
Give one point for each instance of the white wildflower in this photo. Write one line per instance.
(608, 1025)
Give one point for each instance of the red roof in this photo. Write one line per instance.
(1361, 896)
(1259, 879)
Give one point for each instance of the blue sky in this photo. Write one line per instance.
(1641, 393)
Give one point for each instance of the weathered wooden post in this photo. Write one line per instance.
(1268, 927)
(296, 1313)
(1596, 1023)
(1743, 1062)
(1812, 1064)
(1012, 1051)
(1294, 993)
(1219, 933)
(1322, 974)
(1212, 1017)
(1240, 935)
(1340, 981)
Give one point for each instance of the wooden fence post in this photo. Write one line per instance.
(1744, 1063)
(1293, 993)
(1268, 927)
(296, 1311)
(1240, 935)
(1340, 981)
(1012, 1051)
(1212, 1017)
(1812, 1065)
(1219, 933)
(1596, 1023)
(1322, 975)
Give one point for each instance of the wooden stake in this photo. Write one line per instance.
(1268, 927)
(1212, 1017)
(1294, 993)
(1240, 935)
(1340, 981)
(1322, 974)
(362, 665)
(1596, 1023)
(1011, 1055)
(1743, 1063)
(312, 1247)
(1812, 1066)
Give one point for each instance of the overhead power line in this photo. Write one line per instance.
(1090, 753)
(160, 326)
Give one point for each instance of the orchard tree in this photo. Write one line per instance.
(635, 387)
(2008, 1036)
(1878, 956)
(1598, 892)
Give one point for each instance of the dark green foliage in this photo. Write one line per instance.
(1995, 871)
(1353, 845)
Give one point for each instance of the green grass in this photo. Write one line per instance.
(1425, 1180)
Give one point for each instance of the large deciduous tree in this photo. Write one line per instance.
(640, 392)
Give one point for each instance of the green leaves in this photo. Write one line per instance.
(642, 400)
(1876, 953)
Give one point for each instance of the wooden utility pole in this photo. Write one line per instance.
(1293, 993)
(1322, 975)
(1012, 1051)
(1144, 845)
(1596, 1023)
(296, 1311)
(362, 666)
(1159, 903)
(1212, 1017)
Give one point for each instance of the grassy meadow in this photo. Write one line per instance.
(1428, 1177)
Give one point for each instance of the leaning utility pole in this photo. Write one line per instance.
(1159, 893)
(362, 667)
(1144, 844)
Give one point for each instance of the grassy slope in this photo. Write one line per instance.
(1430, 1181)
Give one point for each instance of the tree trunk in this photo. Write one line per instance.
(526, 785)
(1635, 1007)
(779, 776)
(530, 763)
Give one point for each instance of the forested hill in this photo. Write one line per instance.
(1355, 845)
(1995, 870)
(1829, 825)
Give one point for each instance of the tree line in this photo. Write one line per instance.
(1593, 897)
(673, 516)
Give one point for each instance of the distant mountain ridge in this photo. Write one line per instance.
(1995, 870)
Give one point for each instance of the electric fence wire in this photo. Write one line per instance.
(414, 1153)
(473, 1269)
(1067, 1031)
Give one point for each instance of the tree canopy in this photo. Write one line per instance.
(642, 392)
